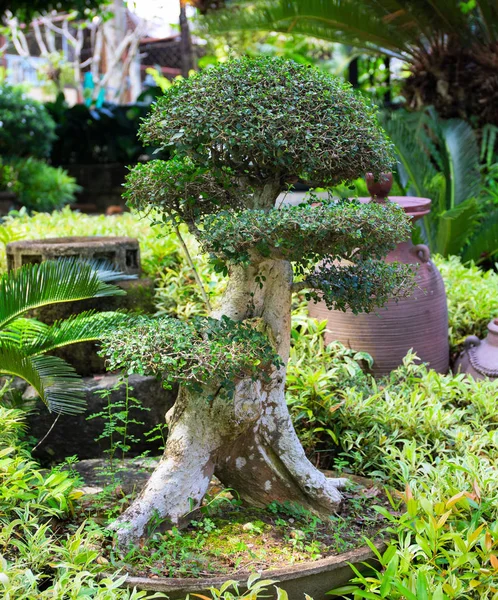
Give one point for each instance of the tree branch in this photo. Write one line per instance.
(298, 286)
(192, 266)
(39, 39)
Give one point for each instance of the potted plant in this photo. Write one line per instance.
(239, 132)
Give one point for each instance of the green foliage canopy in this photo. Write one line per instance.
(202, 352)
(240, 133)
(270, 120)
(305, 232)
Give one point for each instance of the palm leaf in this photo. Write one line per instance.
(484, 243)
(49, 282)
(22, 332)
(460, 158)
(84, 327)
(415, 168)
(454, 227)
(106, 271)
(55, 381)
(401, 28)
(349, 22)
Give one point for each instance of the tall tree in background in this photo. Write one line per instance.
(450, 47)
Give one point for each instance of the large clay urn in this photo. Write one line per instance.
(418, 322)
(480, 358)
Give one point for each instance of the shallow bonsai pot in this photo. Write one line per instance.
(314, 578)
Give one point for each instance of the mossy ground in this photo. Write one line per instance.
(226, 537)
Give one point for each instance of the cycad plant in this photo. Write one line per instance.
(449, 46)
(25, 342)
(439, 159)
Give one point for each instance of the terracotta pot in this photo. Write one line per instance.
(419, 322)
(379, 187)
(480, 358)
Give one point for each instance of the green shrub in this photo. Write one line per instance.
(35, 562)
(442, 548)
(472, 298)
(269, 118)
(43, 188)
(27, 129)
(432, 435)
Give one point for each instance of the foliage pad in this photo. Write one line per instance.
(202, 352)
(269, 119)
(304, 233)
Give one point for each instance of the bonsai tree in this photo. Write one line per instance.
(240, 133)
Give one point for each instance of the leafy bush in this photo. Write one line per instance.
(442, 548)
(202, 351)
(430, 434)
(27, 129)
(471, 293)
(43, 188)
(284, 120)
(36, 562)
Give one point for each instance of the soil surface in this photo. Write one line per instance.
(225, 537)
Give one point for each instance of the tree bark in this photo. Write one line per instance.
(247, 440)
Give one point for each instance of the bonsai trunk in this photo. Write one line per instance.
(247, 439)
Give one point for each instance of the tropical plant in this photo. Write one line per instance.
(451, 48)
(442, 549)
(26, 127)
(25, 342)
(439, 159)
